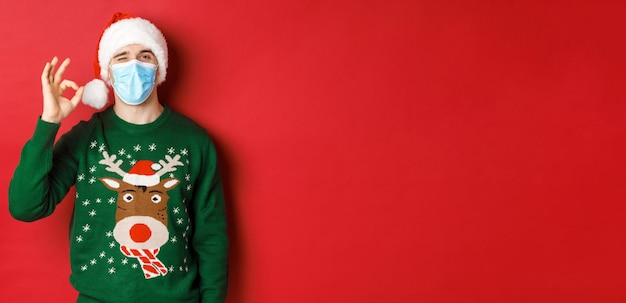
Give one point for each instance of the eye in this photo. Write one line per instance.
(146, 57)
(120, 59)
(128, 198)
(155, 199)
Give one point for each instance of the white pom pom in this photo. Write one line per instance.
(96, 94)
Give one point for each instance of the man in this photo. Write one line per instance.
(149, 217)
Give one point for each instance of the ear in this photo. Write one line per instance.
(111, 183)
(111, 80)
(170, 183)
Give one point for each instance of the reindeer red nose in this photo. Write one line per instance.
(140, 233)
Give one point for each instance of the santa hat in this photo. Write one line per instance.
(124, 29)
(142, 174)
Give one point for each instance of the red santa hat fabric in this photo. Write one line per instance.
(142, 174)
(122, 30)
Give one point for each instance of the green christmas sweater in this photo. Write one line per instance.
(149, 220)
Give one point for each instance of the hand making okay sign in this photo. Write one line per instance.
(55, 106)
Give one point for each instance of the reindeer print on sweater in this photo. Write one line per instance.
(141, 215)
(138, 197)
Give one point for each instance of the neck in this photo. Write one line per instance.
(144, 113)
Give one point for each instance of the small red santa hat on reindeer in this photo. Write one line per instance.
(142, 174)
(124, 29)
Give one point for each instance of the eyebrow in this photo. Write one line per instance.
(146, 51)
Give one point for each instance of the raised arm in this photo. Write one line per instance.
(39, 182)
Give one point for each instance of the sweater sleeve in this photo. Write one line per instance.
(41, 179)
(210, 240)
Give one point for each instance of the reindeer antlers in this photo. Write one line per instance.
(169, 165)
(112, 166)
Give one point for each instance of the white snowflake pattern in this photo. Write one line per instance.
(92, 180)
(132, 162)
(189, 187)
(92, 213)
(111, 270)
(187, 177)
(92, 169)
(86, 202)
(102, 255)
(93, 144)
(179, 221)
(83, 268)
(184, 151)
(174, 240)
(112, 244)
(98, 200)
(111, 200)
(121, 152)
(134, 265)
(137, 148)
(176, 210)
(109, 234)
(171, 269)
(110, 260)
(101, 148)
(171, 150)
(124, 261)
(152, 147)
(79, 239)
(80, 177)
(86, 227)
(93, 262)
(129, 156)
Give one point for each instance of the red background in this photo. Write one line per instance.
(372, 151)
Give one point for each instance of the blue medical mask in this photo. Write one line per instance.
(133, 81)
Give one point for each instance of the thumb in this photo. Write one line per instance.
(77, 96)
